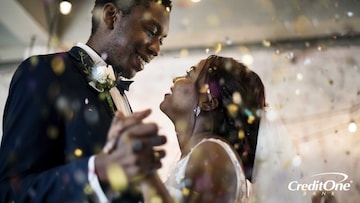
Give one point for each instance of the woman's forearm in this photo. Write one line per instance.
(153, 189)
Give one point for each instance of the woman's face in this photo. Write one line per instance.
(183, 98)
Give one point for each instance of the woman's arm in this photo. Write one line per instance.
(153, 188)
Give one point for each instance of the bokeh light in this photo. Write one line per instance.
(352, 127)
(65, 7)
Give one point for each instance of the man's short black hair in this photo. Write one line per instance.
(125, 7)
(130, 3)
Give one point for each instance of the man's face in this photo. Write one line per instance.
(136, 38)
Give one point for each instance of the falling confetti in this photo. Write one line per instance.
(78, 152)
(58, 65)
(117, 177)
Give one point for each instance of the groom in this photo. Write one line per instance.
(60, 111)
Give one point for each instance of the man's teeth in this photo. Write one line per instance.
(142, 61)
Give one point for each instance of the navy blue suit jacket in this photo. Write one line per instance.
(53, 122)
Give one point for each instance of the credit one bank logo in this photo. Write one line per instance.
(332, 181)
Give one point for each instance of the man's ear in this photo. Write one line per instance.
(209, 105)
(110, 15)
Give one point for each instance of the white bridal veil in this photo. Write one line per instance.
(276, 163)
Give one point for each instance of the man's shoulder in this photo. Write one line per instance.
(45, 66)
(46, 57)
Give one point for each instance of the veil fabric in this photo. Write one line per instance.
(276, 163)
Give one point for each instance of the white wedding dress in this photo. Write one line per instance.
(176, 179)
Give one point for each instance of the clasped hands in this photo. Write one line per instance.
(130, 151)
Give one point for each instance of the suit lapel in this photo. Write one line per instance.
(84, 61)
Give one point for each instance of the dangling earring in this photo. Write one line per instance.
(197, 111)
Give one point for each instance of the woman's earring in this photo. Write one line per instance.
(197, 111)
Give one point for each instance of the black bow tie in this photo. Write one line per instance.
(123, 85)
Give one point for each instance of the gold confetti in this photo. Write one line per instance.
(218, 47)
(241, 134)
(117, 177)
(185, 191)
(232, 109)
(184, 52)
(58, 65)
(78, 152)
(156, 199)
(251, 119)
(88, 189)
(34, 61)
(266, 43)
(204, 89)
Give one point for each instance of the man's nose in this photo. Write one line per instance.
(155, 47)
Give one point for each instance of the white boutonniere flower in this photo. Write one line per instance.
(102, 78)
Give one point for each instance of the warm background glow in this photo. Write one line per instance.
(306, 52)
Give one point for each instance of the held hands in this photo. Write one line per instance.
(130, 149)
(119, 124)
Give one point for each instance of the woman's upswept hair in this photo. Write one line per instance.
(124, 6)
(241, 97)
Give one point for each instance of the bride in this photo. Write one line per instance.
(216, 109)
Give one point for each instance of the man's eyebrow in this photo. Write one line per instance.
(154, 22)
(157, 24)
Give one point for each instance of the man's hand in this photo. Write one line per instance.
(130, 151)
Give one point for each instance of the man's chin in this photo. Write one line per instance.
(129, 75)
(133, 72)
